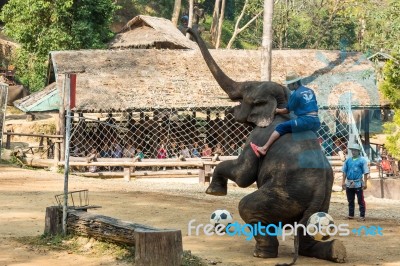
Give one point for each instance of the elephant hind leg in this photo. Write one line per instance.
(333, 250)
(266, 247)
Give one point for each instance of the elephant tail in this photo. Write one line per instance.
(321, 198)
(296, 252)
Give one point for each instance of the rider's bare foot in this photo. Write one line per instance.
(261, 151)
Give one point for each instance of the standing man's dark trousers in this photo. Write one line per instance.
(351, 193)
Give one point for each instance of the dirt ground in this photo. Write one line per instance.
(169, 203)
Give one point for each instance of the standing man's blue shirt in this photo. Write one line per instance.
(355, 168)
(302, 101)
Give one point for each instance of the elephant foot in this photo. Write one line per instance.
(217, 189)
(265, 254)
(266, 247)
(339, 253)
(331, 250)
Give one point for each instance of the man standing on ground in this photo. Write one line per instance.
(354, 169)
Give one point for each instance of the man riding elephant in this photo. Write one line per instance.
(304, 105)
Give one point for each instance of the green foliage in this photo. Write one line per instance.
(42, 26)
(314, 24)
(382, 26)
(392, 143)
(31, 69)
(159, 8)
(390, 87)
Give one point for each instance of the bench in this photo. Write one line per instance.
(129, 166)
(202, 166)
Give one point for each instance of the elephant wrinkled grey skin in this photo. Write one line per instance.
(15, 93)
(294, 179)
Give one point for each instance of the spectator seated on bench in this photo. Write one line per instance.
(92, 158)
(139, 155)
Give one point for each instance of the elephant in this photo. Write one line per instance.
(15, 93)
(294, 179)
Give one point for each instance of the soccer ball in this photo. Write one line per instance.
(320, 222)
(222, 217)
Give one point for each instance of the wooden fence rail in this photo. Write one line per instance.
(41, 141)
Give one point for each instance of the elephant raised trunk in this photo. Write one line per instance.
(231, 87)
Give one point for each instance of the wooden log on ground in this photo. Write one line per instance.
(154, 248)
(37, 162)
(53, 225)
(104, 228)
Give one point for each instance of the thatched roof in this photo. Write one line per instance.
(151, 32)
(129, 79)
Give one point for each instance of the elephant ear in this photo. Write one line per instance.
(263, 112)
(282, 97)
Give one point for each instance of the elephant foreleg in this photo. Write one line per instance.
(243, 171)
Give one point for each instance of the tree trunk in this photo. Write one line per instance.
(190, 22)
(158, 248)
(221, 20)
(53, 225)
(214, 24)
(175, 13)
(266, 56)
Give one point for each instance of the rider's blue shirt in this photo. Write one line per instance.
(302, 101)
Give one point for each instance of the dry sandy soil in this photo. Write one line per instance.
(168, 203)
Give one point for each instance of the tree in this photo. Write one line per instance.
(390, 87)
(382, 29)
(215, 20)
(175, 13)
(45, 25)
(220, 21)
(266, 56)
(190, 22)
(238, 30)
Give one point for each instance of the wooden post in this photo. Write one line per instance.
(41, 143)
(62, 132)
(57, 145)
(49, 148)
(207, 170)
(154, 248)
(367, 143)
(53, 225)
(8, 141)
(127, 173)
(202, 175)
